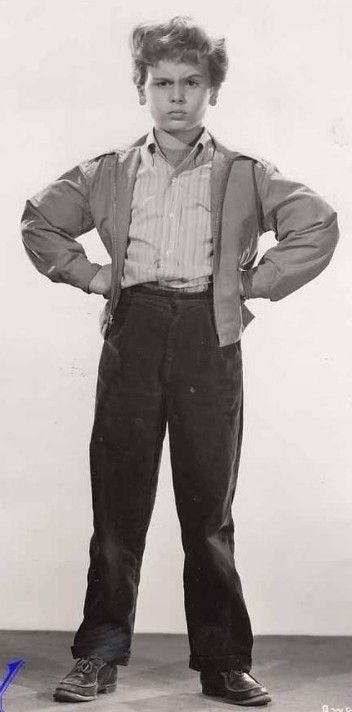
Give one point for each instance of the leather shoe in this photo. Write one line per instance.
(88, 677)
(234, 686)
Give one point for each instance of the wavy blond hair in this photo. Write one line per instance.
(180, 39)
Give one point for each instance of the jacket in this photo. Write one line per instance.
(249, 196)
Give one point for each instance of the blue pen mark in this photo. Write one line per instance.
(13, 667)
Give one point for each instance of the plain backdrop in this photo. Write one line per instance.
(67, 95)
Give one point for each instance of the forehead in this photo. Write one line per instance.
(172, 69)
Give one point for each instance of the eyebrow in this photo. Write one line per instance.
(189, 76)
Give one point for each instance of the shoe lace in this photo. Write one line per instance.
(84, 665)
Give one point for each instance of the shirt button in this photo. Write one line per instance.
(172, 215)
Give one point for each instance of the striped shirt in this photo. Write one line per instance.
(170, 239)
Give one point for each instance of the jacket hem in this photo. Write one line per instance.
(227, 339)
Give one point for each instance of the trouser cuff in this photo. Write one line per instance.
(204, 663)
(103, 653)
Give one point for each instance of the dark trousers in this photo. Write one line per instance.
(161, 363)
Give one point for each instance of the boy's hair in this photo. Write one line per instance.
(179, 39)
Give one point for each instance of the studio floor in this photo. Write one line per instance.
(302, 674)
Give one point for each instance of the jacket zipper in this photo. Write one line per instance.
(110, 318)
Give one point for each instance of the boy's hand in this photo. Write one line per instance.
(101, 282)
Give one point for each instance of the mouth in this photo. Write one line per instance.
(176, 112)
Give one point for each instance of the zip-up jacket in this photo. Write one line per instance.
(249, 196)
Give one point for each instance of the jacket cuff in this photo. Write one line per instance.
(246, 282)
(92, 269)
(81, 277)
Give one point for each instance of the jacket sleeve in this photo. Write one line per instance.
(305, 227)
(50, 224)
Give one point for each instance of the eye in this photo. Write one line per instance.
(193, 82)
(162, 83)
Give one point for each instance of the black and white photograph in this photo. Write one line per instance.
(176, 492)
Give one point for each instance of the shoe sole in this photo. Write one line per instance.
(255, 701)
(62, 695)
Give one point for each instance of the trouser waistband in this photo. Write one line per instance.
(155, 287)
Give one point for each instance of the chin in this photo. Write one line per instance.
(181, 124)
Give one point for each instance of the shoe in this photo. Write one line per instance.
(234, 686)
(88, 677)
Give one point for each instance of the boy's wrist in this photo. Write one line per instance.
(87, 272)
(101, 281)
(89, 288)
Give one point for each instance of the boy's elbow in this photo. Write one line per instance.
(29, 232)
(24, 222)
(26, 218)
(331, 229)
(325, 231)
(336, 230)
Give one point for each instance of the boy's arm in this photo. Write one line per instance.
(306, 229)
(50, 224)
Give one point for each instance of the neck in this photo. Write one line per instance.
(188, 137)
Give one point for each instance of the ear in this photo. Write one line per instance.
(213, 97)
(141, 94)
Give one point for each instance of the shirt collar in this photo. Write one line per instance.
(151, 146)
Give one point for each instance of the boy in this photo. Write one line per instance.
(180, 216)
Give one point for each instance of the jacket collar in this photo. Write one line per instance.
(218, 146)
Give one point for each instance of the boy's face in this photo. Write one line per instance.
(178, 94)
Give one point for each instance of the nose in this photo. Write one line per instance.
(177, 93)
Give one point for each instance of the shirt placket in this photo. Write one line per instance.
(174, 220)
(173, 204)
